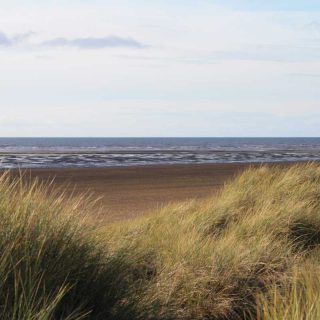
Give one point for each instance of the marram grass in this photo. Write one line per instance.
(251, 252)
(295, 298)
(51, 266)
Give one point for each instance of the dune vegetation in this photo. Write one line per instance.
(250, 252)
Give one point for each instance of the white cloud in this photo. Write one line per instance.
(94, 43)
(8, 41)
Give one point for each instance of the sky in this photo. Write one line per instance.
(119, 68)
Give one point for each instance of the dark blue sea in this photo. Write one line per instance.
(104, 152)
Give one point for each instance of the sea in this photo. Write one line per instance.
(105, 152)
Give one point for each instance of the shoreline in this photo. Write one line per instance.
(144, 151)
(111, 159)
(127, 192)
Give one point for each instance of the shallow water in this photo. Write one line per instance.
(102, 152)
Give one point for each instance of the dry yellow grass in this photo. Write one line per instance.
(251, 252)
(208, 260)
(51, 266)
(296, 297)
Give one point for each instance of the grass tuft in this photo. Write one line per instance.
(251, 252)
(51, 266)
(210, 259)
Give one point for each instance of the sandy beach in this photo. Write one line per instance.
(126, 192)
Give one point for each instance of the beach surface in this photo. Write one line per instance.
(126, 192)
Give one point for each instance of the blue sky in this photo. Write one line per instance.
(159, 68)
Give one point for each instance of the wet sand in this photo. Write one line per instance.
(126, 192)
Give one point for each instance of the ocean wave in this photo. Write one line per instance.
(151, 158)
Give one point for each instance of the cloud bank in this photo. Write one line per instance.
(4, 40)
(7, 41)
(94, 43)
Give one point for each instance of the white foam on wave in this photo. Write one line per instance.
(129, 159)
